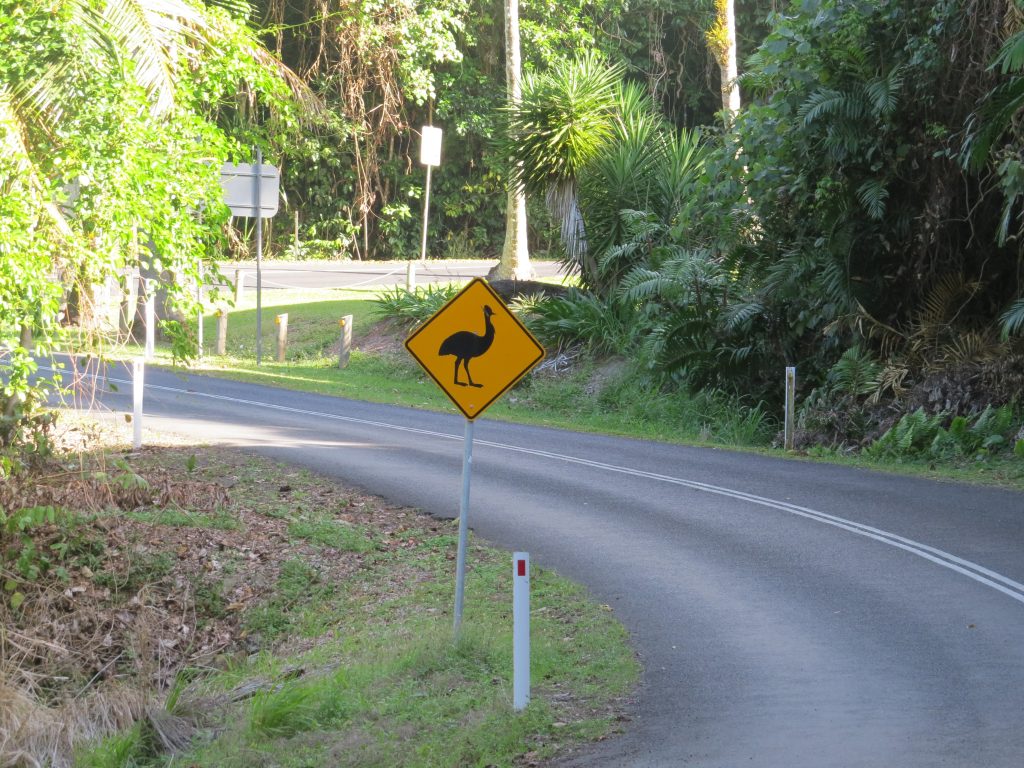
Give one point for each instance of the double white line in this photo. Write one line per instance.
(974, 571)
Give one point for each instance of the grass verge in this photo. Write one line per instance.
(246, 613)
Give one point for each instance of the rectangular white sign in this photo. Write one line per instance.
(430, 145)
(239, 185)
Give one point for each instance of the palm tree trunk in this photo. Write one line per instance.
(515, 255)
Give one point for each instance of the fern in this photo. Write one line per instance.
(855, 373)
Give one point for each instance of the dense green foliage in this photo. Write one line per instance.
(114, 127)
(860, 218)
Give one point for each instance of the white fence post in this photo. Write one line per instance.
(520, 630)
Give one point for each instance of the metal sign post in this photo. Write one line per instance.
(252, 191)
(259, 254)
(460, 561)
(475, 349)
(430, 155)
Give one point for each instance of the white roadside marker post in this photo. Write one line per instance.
(138, 384)
(410, 276)
(790, 408)
(460, 561)
(520, 630)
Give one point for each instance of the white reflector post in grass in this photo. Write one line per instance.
(520, 630)
(138, 388)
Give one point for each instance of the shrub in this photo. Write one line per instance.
(413, 307)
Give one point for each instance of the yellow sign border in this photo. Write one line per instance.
(423, 326)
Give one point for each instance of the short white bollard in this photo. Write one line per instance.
(520, 630)
(410, 276)
(138, 384)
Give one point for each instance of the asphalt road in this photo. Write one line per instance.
(788, 614)
(364, 274)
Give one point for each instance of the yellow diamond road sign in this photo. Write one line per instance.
(475, 348)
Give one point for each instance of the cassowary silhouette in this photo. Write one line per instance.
(466, 345)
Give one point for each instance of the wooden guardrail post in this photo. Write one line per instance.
(790, 422)
(282, 335)
(345, 351)
(222, 330)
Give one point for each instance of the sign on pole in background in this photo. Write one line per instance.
(475, 348)
(238, 181)
(430, 145)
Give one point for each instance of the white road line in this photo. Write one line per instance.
(971, 570)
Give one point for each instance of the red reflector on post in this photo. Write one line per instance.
(521, 567)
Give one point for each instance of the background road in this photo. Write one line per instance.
(789, 615)
(363, 274)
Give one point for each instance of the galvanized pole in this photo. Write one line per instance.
(259, 254)
(426, 211)
(460, 563)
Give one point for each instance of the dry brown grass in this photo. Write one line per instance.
(33, 735)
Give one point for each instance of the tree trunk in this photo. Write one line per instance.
(515, 256)
(722, 42)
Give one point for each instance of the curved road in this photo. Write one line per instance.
(788, 614)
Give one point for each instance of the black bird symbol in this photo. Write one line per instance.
(466, 345)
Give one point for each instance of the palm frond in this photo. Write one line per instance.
(872, 194)
(152, 32)
(826, 101)
(1012, 320)
(883, 91)
(1011, 55)
(12, 142)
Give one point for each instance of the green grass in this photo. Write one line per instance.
(394, 689)
(331, 533)
(384, 683)
(183, 518)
